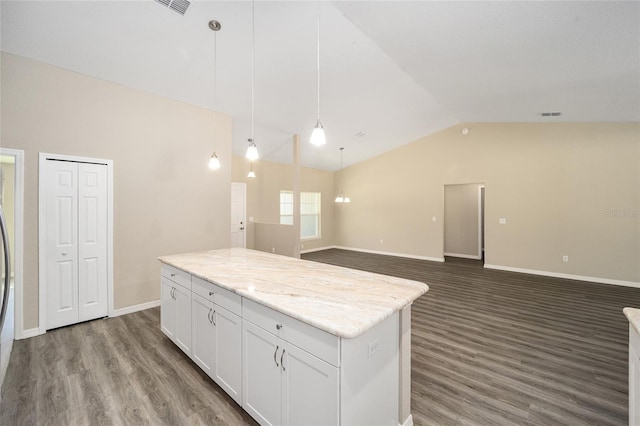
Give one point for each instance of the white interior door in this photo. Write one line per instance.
(92, 241)
(62, 243)
(238, 213)
(76, 242)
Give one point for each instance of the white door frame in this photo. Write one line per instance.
(244, 202)
(18, 243)
(42, 252)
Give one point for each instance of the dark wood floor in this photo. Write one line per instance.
(492, 347)
(489, 348)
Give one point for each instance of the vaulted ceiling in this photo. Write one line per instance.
(393, 70)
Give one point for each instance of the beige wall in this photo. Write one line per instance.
(461, 220)
(565, 189)
(263, 195)
(166, 200)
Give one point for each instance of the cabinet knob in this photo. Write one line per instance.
(173, 275)
(278, 326)
(64, 253)
(211, 293)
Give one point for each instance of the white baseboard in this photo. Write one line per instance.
(136, 308)
(407, 422)
(32, 332)
(566, 276)
(316, 249)
(387, 253)
(464, 256)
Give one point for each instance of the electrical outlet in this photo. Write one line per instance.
(433, 218)
(565, 259)
(273, 249)
(502, 221)
(381, 241)
(301, 246)
(373, 347)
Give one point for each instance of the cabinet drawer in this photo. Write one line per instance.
(218, 295)
(177, 276)
(323, 345)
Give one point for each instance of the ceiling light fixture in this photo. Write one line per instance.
(251, 173)
(341, 198)
(252, 149)
(215, 26)
(318, 137)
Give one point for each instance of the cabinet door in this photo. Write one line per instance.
(261, 387)
(167, 308)
(228, 352)
(204, 333)
(310, 392)
(182, 332)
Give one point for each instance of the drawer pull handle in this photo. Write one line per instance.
(278, 326)
(274, 356)
(282, 360)
(213, 316)
(211, 293)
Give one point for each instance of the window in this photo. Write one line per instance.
(309, 212)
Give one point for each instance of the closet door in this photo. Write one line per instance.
(62, 243)
(92, 241)
(76, 242)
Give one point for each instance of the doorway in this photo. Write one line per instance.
(75, 240)
(12, 201)
(464, 220)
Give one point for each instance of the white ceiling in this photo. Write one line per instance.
(394, 70)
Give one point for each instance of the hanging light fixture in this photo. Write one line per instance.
(318, 137)
(252, 149)
(341, 198)
(215, 26)
(251, 173)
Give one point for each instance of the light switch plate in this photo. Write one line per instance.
(502, 221)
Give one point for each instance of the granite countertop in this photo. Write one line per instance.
(341, 301)
(633, 315)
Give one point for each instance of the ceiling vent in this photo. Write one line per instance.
(551, 114)
(179, 6)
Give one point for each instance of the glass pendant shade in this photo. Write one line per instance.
(318, 137)
(251, 174)
(214, 162)
(339, 199)
(252, 151)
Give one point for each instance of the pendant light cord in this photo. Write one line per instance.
(215, 80)
(318, 57)
(253, 60)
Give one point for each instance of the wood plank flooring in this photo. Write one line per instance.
(492, 347)
(489, 348)
(117, 371)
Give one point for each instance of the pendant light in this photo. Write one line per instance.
(252, 149)
(251, 173)
(215, 26)
(318, 137)
(341, 198)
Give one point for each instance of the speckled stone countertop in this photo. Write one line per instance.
(633, 315)
(344, 302)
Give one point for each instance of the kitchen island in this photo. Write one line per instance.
(293, 341)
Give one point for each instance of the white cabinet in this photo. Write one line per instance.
(217, 335)
(175, 310)
(284, 384)
(203, 328)
(228, 352)
(634, 377)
